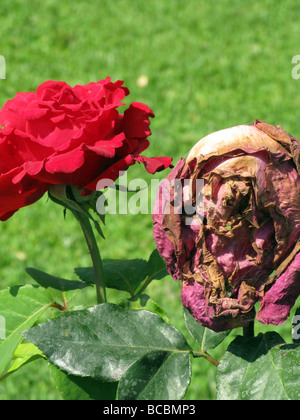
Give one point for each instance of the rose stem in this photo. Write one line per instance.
(206, 356)
(210, 359)
(248, 331)
(144, 287)
(95, 255)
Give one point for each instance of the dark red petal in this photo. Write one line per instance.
(48, 89)
(66, 163)
(111, 173)
(135, 122)
(15, 196)
(155, 164)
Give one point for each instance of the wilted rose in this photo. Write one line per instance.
(74, 136)
(241, 245)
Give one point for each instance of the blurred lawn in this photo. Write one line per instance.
(210, 65)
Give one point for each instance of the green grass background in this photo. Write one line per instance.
(210, 65)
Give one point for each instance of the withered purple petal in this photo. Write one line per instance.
(275, 306)
(245, 228)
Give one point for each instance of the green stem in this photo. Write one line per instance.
(95, 255)
(144, 287)
(206, 356)
(211, 359)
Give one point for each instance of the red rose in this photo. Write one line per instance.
(73, 136)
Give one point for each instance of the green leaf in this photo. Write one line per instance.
(60, 289)
(156, 266)
(73, 387)
(24, 354)
(144, 302)
(207, 338)
(20, 307)
(158, 375)
(123, 275)
(259, 368)
(105, 340)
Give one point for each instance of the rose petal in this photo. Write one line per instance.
(248, 223)
(135, 122)
(278, 301)
(154, 165)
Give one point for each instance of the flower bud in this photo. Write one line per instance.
(240, 244)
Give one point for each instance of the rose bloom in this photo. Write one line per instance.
(241, 245)
(73, 136)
